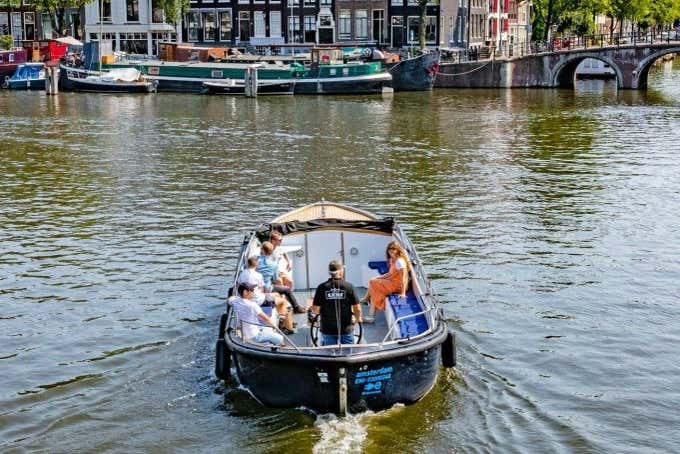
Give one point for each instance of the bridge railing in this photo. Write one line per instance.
(565, 43)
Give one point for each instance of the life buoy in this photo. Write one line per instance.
(449, 350)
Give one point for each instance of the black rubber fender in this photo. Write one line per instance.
(449, 350)
(222, 359)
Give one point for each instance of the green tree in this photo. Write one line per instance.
(6, 42)
(57, 11)
(173, 9)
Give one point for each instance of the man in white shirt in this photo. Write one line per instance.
(255, 325)
(251, 276)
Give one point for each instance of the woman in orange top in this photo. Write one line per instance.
(394, 281)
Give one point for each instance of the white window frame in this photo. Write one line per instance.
(345, 24)
(214, 23)
(198, 37)
(219, 24)
(278, 29)
(359, 23)
(262, 24)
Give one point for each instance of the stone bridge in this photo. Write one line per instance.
(631, 63)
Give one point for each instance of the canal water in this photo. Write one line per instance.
(547, 219)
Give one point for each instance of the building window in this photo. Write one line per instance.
(46, 24)
(193, 25)
(310, 3)
(275, 23)
(132, 7)
(325, 2)
(413, 22)
(294, 28)
(17, 31)
(134, 43)
(106, 11)
(4, 24)
(345, 24)
(160, 37)
(225, 25)
(29, 26)
(361, 24)
(310, 29)
(412, 2)
(378, 25)
(325, 20)
(397, 2)
(209, 26)
(430, 29)
(157, 14)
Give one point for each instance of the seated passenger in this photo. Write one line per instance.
(255, 325)
(282, 259)
(269, 269)
(251, 276)
(394, 281)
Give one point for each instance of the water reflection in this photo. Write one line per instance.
(542, 216)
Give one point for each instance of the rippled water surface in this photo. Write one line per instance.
(548, 221)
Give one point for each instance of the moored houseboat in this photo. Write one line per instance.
(327, 74)
(10, 60)
(396, 359)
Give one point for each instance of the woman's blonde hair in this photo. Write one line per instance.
(401, 252)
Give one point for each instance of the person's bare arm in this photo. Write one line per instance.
(356, 309)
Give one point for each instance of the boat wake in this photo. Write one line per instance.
(341, 435)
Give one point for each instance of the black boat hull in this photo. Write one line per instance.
(375, 381)
(238, 89)
(415, 74)
(372, 84)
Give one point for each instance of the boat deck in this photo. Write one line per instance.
(373, 333)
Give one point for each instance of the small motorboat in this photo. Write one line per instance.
(394, 360)
(28, 76)
(123, 80)
(236, 87)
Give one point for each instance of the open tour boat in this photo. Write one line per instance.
(396, 359)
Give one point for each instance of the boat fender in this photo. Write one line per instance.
(222, 352)
(449, 350)
(222, 359)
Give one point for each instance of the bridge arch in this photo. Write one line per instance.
(642, 69)
(563, 74)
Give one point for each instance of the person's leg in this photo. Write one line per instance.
(268, 335)
(347, 339)
(283, 308)
(329, 339)
(285, 291)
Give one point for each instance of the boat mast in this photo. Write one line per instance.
(101, 34)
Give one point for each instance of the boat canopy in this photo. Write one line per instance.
(381, 225)
(28, 71)
(325, 210)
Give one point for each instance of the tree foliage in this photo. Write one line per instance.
(57, 11)
(579, 16)
(173, 9)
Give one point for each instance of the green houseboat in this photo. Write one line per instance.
(327, 74)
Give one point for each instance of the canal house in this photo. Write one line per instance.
(133, 26)
(363, 21)
(404, 23)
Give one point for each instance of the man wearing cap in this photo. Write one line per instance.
(336, 300)
(254, 323)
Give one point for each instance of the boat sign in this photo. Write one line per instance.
(374, 380)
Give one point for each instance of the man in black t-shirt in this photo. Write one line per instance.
(336, 299)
